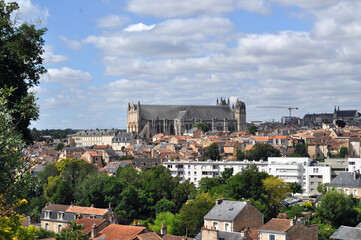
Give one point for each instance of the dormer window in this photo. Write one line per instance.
(60, 216)
(46, 214)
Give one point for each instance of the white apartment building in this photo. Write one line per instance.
(354, 164)
(291, 170)
(196, 170)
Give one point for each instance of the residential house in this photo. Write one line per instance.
(87, 138)
(233, 216)
(93, 157)
(287, 229)
(348, 183)
(347, 233)
(231, 149)
(55, 217)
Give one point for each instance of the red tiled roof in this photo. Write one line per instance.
(253, 234)
(89, 222)
(87, 210)
(101, 147)
(121, 232)
(172, 237)
(277, 224)
(148, 236)
(95, 153)
(260, 139)
(278, 137)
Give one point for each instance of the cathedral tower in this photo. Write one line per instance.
(240, 115)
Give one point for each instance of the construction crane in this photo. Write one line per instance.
(288, 108)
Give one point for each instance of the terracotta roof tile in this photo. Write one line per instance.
(172, 237)
(87, 210)
(276, 224)
(121, 232)
(253, 234)
(148, 236)
(88, 223)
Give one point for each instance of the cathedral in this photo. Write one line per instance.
(149, 120)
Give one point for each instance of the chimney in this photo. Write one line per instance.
(210, 234)
(293, 221)
(163, 230)
(220, 200)
(354, 175)
(92, 206)
(93, 232)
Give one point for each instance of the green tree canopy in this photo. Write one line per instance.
(295, 187)
(191, 215)
(338, 209)
(252, 129)
(343, 152)
(301, 150)
(203, 126)
(262, 151)
(20, 63)
(212, 152)
(73, 232)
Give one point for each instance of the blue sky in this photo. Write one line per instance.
(100, 55)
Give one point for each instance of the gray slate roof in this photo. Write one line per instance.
(347, 233)
(149, 112)
(222, 235)
(346, 179)
(124, 137)
(98, 132)
(226, 211)
(346, 113)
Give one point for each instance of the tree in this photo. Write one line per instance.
(340, 123)
(252, 129)
(343, 152)
(262, 151)
(338, 209)
(164, 205)
(295, 187)
(191, 215)
(240, 155)
(276, 190)
(73, 232)
(166, 218)
(212, 152)
(20, 64)
(60, 146)
(203, 126)
(322, 188)
(13, 164)
(226, 174)
(301, 150)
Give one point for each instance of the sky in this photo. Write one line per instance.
(100, 55)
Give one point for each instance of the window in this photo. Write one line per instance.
(347, 192)
(226, 227)
(315, 170)
(355, 192)
(46, 226)
(215, 225)
(46, 214)
(60, 216)
(60, 227)
(271, 237)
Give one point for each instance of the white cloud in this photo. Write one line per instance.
(66, 76)
(51, 58)
(73, 44)
(59, 101)
(139, 27)
(112, 21)
(169, 39)
(31, 12)
(173, 8)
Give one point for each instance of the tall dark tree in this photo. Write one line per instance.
(262, 151)
(21, 49)
(301, 150)
(212, 152)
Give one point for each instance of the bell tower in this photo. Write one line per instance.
(240, 115)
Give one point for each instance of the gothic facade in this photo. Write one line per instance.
(149, 120)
